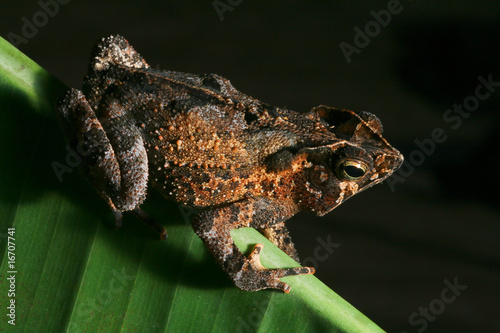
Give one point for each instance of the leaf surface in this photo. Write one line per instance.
(75, 273)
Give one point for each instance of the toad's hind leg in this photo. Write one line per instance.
(278, 234)
(214, 228)
(114, 159)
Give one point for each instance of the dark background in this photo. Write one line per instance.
(394, 247)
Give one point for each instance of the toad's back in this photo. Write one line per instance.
(205, 140)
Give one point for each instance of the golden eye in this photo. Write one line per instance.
(351, 169)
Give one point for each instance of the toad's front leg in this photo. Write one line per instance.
(214, 228)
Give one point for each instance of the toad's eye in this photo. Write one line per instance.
(350, 169)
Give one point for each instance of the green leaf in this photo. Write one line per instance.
(75, 273)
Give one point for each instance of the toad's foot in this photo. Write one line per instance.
(253, 276)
